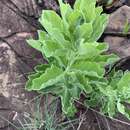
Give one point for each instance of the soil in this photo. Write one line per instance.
(18, 22)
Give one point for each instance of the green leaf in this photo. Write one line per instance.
(84, 83)
(54, 89)
(125, 81)
(74, 19)
(67, 97)
(98, 11)
(126, 27)
(115, 78)
(67, 103)
(35, 44)
(88, 68)
(42, 35)
(77, 4)
(51, 76)
(123, 110)
(50, 47)
(84, 31)
(50, 20)
(106, 59)
(59, 37)
(124, 85)
(87, 7)
(29, 83)
(110, 107)
(89, 10)
(108, 91)
(65, 11)
(81, 4)
(120, 107)
(90, 50)
(98, 27)
(41, 68)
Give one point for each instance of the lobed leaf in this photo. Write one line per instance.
(88, 68)
(40, 81)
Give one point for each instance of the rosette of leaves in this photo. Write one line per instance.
(76, 61)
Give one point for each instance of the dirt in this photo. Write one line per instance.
(18, 22)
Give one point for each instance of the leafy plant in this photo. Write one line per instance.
(76, 61)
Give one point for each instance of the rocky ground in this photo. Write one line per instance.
(18, 22)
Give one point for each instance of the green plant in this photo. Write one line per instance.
(76, 61)
(126, 27)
